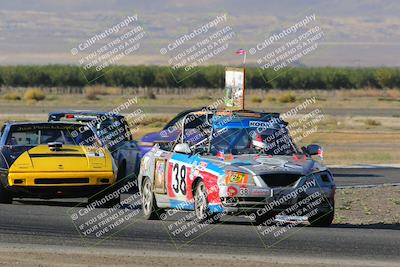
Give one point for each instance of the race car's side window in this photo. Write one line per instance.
(2, 131)
(127, 131)
(175, 121)
(23, 138)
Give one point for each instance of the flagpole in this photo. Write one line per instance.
(244, 79)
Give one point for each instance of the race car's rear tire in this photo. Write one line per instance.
(5, 197)
(149, 202)
(324, 219)
(203, 215)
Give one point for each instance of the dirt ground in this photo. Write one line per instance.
(30, 257)
(359, 126)
(363, 207)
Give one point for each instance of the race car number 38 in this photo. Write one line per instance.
(179, 174)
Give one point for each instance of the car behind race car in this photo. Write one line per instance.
(115, 134)
(236, 162)
(169, 133)
(52, 160)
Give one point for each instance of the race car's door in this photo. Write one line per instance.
(179, 176)
(160, 170)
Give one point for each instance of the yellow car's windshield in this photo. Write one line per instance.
(32, 136)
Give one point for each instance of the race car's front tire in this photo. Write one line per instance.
(203, 215)
(149, 203)
(324, 219)
(5, 197)
(200, 202)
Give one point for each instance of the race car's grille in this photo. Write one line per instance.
(280, 179)
(243, 202)
(63, 181)
(53, 155)
(251, 199)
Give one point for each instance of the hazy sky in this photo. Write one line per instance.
(356, 33)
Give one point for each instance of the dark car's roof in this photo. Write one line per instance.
(85, 112)
(180, 115)
(41, 122)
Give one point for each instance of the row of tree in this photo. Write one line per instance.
(205, 77)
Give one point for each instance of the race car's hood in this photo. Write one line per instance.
(257, 164)
(68, 158)
(158, 137)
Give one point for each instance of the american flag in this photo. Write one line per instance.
(241, 52)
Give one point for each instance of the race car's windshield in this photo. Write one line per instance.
(32, 135)
(111, 129)
(252, 141)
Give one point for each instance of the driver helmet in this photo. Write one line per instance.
(258, 142)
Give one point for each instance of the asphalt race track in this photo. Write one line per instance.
(365, 176)
(38, 222)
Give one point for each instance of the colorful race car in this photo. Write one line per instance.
(236, 162)
(53, 160)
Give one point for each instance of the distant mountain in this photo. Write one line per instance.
(356, 33)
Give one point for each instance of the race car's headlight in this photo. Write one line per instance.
(238, 178)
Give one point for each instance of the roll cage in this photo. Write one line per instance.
(192, 120)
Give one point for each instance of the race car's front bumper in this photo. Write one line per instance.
(16, 179)
(255, 199)
(57, 184)
(250, 205)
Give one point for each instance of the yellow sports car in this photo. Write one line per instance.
(53, 160)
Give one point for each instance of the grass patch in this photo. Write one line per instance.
(92, 92)
(150, 95)
(371, 122)
(287, 98)
(395, 201)
(91, 95)
(12, 96)
(154, 121)
(204, 97)
(388, 99)
(256, 99)
(271, 98)
(34, 94)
